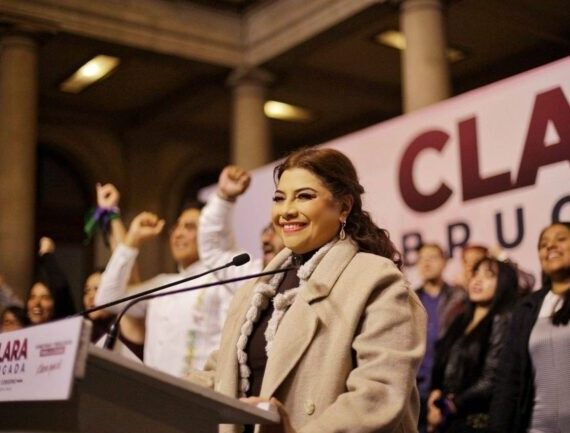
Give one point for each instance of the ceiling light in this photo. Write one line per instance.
(454, 55)
(94, 70)
(396, 39)
(288, 112)
(392, 38)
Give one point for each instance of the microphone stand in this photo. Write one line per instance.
(238, 260)
(114, 330)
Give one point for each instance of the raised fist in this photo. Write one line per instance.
(233, 182)
(107, 196)
(145, 225)
(47, 245)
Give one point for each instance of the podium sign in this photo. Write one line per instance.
(38, 363)
(111, 394)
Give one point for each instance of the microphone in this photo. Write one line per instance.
(114, 329)
(240, 259)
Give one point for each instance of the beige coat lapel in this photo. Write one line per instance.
(294, 335)
(301, 321)
(227, 369)
(227, 381)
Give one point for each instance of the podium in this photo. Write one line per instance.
(119, 395)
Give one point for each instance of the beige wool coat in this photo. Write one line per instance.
(345, 355)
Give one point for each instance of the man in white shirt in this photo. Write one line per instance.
(183, 329)
(216, 241)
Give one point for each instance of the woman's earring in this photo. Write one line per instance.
(342, 234)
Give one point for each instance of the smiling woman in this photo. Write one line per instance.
(336, 174)
(533, 389)
(336, 344)
(49, 297)
(40, 304)
(305, 214)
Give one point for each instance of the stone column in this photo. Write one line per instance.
(251, 142)
(18, 129)
(425, 69)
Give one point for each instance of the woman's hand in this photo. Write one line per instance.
(145, 225)
(285, 425)
(434, 419)
(433, 396)
(107, 196)
(434, 416)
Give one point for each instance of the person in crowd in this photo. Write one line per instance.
(443, 304)
(216, 241)
(526, 279)
(13, 318)
(7, 295)
(108, 198)
(467, 356)
(101, 319)
(50, 296)
(181, 330)
(470, 255)
(533, 387)
(130, 329)
(335, 345)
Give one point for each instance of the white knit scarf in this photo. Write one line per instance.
(263, 293)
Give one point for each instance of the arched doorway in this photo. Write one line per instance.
(62, 200)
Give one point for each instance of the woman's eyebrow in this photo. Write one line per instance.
(304, 188)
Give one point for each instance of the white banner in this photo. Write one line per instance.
(37, 363)
(489, 167)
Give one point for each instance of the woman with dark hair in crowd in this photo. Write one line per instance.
(101, 319)
(468, 355)
(335, 345)
(13, 318)
(533, 387)
(50, 296)
(130, 328)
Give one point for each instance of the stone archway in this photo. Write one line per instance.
(62, 199)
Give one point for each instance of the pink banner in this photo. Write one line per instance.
(490, 167)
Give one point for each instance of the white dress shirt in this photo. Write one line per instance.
(216, 241)
(181, 330)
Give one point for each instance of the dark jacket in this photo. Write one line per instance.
(466, 365)
(513, 398)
